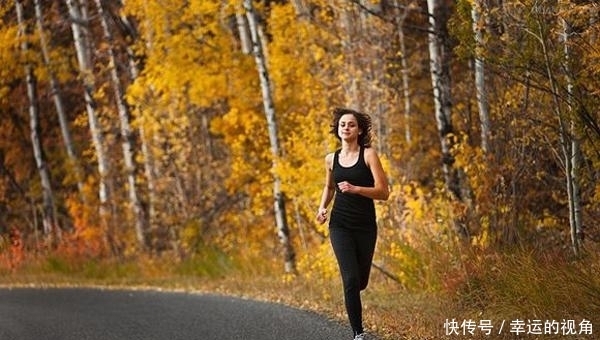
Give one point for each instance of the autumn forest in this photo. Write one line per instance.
(167, 127)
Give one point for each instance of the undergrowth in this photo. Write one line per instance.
(499, 287)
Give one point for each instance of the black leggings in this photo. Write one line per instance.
(354, 252)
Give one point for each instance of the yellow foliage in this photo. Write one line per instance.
(414, 202)
(319, 265)
(192, 73)
(87, 239)
(246, 136)
(182, 58)
(9, 56)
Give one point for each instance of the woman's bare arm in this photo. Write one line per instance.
(328, 190)
(380, 190)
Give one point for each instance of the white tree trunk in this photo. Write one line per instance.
(244, 35)
(49, 222)
(573, 187)
(565, 136)
(440, 80)
(481, 91)
(148, 158)
(58, 102)
(127, 140)
(263, 72)
(79, 22)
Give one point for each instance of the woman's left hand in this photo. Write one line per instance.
(346, 187)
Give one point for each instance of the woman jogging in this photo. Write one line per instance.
(354, 178)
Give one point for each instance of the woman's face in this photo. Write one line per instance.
(348, 129)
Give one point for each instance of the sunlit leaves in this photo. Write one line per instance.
(196, 106)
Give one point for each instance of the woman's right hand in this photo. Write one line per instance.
(322, 215)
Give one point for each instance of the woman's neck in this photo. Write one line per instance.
(348, 148)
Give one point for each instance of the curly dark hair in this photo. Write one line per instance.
(364, 124)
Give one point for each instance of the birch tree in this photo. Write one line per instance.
(440, 80)
(58, 100)
(572, 156)
(49, 222)
(79, 24)
(479, 25)
(567, 136)
(127, 140)
(269, 107)
(131, 31)
(244, 35)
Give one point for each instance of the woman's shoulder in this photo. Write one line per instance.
(370, 155)
(369, 151)
(331, 155)
(329, 159)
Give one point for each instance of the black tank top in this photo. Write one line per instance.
(351, 210)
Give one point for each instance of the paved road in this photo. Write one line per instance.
(94, 314)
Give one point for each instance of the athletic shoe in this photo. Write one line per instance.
(361, 336)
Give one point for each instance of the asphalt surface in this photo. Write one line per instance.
(96, 314)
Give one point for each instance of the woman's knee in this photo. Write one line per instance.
(352, 282)
(364, 283)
